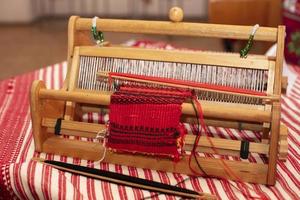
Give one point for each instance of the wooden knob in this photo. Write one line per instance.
(176, 14)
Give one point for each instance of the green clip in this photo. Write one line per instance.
(97, 35)
(244, 52)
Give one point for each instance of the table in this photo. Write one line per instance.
(25, 179)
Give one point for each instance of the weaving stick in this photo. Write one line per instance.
(187, 85)
(126, 180)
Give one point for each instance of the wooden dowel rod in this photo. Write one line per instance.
(268, 98)
(180, 29)
(210, 109)
(189, 119)
(225, 124)
(90, 130)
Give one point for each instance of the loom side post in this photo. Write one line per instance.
(39, 109)
(71, 43)
(72, 107)
(39, 132)
(275, 127)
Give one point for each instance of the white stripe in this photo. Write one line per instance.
(291, 113)
(220, 189)
(114, 187)
(129, 190)
(282, 191)
(286, 177)
(31, 150)
(38, 180)
(49, 78)
(292, 105)
(12, 180)
(26, 138)
(54, 189)
(203, 185)
(141, 173)
(40, 74)
(24, 178)
(98, 192)
(56, 76)
(83, 186)
(291, 143)
(266, 190)
(70, 190)
(95, 117)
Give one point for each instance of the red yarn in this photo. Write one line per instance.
(147, 120)
(227, 169)
(189, 84)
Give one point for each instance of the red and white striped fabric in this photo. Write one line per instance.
(21, 178)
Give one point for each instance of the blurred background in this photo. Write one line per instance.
(33, 33)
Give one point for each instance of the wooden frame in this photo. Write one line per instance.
(49, 105)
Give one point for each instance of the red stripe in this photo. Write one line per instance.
(106, 189)
(179, 179)
(18, 181)
(30, 178)
(164, 179)
(137, 192)
(75, 180)
(62, 181)
(24, 107)
(291, 138)
(212, 187)
(276, 192)
(148, 176)
(121, 188)
(286, 186)
(290, 175)
(260, 191)
(293, 101)
(291, 119)
(294, 95)
(227, 189)
(296, 104)
(195, 183)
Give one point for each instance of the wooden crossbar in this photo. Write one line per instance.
(191, 57)
(210, 109)
(182, 29)
(90, 130)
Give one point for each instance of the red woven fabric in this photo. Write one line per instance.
(147, 120)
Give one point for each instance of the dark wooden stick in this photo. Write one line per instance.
(122, 179)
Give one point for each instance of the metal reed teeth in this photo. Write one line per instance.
(252, 79)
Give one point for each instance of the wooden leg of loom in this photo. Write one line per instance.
(39, 109)
(39, 132)
(283, 143)
(273, 152)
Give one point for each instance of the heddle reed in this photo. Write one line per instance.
(258, 110)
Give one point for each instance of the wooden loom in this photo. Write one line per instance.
(82, 93)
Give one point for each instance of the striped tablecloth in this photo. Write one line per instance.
(21, 178)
